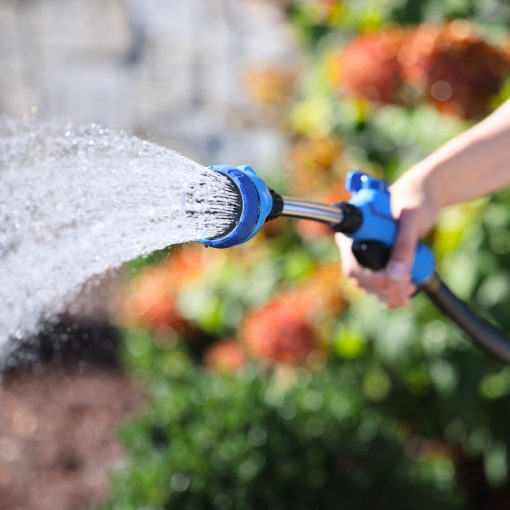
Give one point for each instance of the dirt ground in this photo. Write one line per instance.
(58, 436)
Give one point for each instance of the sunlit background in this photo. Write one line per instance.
(171, 71)
(257, 377)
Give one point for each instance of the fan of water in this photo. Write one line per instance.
(77, 201)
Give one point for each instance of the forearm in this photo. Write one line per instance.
(472, 165)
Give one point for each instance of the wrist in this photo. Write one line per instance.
(426, 179)
(416, 193)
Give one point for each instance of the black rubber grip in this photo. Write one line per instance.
(373, 255)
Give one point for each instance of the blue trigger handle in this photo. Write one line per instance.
(372, 198)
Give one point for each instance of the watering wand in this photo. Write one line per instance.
(366, 218)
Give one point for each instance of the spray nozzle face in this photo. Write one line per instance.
(255, 206)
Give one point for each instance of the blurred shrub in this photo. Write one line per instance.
(270, 86)
(312, 395)
(295, 440)
(151, 303)
(369, 66)
(447, 64)
(315, 164)
(456, 70)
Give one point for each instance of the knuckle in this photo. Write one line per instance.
(350, 273)
(380, 282)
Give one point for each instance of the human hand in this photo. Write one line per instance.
(414, 206)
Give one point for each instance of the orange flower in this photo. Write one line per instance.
(270, 86)
(225, 356)
(312, 229)
(368, 67)
(280, 331)
(151, 303)
(313, 163)
(326, 289)
(185, 264)
(150, 300)
(456, 70)
(315, 154)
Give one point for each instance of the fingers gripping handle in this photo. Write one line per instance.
(372, 245)
(374, 239)
(375, 255)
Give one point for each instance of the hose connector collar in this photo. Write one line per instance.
(256, 206)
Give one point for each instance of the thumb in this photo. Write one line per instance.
(402, 255)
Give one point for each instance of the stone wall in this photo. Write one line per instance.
(169, 70)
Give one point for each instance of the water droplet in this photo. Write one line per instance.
(107, 194)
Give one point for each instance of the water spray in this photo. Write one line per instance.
(366, 218)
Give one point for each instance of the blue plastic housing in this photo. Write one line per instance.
(372, 198)
(256, 205)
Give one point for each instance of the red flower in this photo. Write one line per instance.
(225, 356)
(369, 68)
(456, 70)
(151, 303)
(280, 331)
(185, 264)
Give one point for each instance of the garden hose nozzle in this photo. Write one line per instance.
(255, 205)
(366, 218)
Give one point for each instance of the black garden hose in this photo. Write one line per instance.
(487, 336)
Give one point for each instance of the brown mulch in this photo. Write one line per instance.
(58, 436)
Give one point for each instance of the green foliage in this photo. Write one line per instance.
(443, 387)
(134, 267)
(367, 15)
(405, 413)
(296, 440)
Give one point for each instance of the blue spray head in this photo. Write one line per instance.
(255, 207)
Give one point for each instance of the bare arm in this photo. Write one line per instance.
(472, 165)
